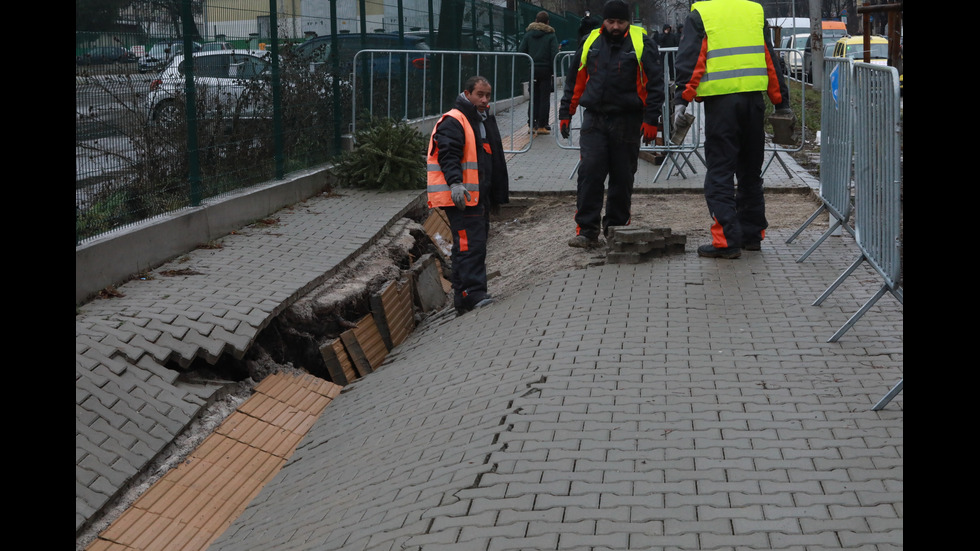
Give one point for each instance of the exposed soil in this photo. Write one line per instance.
(528, 240)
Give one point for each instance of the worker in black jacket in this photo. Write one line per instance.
(467, 178)
(619, 82)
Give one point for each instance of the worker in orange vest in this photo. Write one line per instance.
(467, 178)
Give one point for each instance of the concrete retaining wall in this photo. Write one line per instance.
(117, 256)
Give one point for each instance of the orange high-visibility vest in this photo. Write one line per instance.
(438, 188)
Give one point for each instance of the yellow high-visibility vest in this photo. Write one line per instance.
(736, 57)
(636, 35)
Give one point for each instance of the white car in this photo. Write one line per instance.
(793, 54)
(236, 82)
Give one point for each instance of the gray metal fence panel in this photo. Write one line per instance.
(791, 81)
(429, 89)
(836, 149)
(565, 62)
(877, 183)
(877, 169)
(836, 138)
(676, 156)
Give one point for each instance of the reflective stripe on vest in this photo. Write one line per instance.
(439, 194)
(636, 35)
(736, 57)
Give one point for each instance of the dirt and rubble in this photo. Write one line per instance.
(526, 246)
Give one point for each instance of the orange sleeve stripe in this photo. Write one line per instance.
(580, 80)
(691, 90)
(775, 96)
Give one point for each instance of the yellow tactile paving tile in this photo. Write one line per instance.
(196, 501)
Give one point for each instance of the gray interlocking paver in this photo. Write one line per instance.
(680, 403)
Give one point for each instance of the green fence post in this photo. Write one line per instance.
(338, 119)
(277, 138)
(193, 155)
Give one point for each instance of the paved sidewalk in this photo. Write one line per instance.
(683, 403)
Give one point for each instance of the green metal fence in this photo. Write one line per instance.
(150, 140)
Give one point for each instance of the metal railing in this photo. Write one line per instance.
(836, 150)
(676, 157)
(877, 183)
(431, 86)
(785, 53)
(877, 190)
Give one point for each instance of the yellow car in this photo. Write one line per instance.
(853, 47)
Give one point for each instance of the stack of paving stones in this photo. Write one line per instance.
(632, 245)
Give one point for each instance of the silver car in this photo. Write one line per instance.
(234, 83)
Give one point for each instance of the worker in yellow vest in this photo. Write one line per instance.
(467, 178)
(726, 61)
(619, 82)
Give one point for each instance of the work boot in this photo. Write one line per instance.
(583, 242)
(709, 251)
(752, 246)
(542, 130)
(460, 310)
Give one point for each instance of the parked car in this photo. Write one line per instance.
(792, 55)
(106, 55)
(221, 79)
(853, 47)
(161, 54)
(481, 41)
(216, 46)
(320, 55)
(808, 58)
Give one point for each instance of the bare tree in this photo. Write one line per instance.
(173, 10)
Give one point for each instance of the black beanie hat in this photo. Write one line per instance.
(616, 9)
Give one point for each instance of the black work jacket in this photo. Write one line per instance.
(449, 138)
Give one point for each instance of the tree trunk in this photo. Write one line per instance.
(816, 45)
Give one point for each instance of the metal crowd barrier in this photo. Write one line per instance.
(675, 156)
(776, 150)
(877, 182)
(431, 81)
(836, 149)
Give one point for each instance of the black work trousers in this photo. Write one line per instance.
(469, 254)
(540, 102)
(610, 146)
(734, 148)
